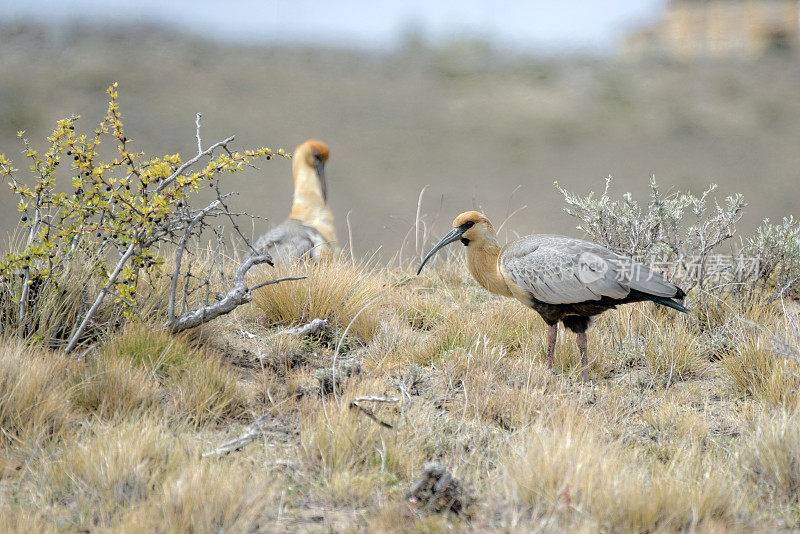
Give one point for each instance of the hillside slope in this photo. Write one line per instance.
(472, 124)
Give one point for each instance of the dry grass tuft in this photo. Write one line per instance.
(771, 456)
(140, 475)
(34, 404)
(346, 294)
(14, 520)
(677, 431)
(202, 496)
(757, 370)
(568, 472)
(198, 385)
(113, 467)
(674, 353)
(346, 466)
(111, 387)
(152, 349)
(283, 352)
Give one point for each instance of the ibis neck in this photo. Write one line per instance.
(308, 204)
(482, 262)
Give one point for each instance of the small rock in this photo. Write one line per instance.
(330, 379)
(438, 490)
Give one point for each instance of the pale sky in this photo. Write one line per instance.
(535, 25)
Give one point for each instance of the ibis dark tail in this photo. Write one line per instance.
(669, 303)
(638, 296)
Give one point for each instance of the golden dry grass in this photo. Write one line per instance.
(690, 422)
(32, 394)
(346, 294)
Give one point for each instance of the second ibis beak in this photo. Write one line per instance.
(453, 235)
(319, 165)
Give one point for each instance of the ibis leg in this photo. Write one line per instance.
(552, 333)
(580, 339)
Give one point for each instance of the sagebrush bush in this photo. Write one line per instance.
(681, 233)
(778, 248)
(677, 231)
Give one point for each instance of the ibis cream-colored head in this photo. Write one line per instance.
(308, 151)
(471, 228)
(475, 227)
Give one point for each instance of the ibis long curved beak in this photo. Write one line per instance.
(453, 235)
(319, 165)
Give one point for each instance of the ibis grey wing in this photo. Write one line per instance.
(628, 272)
(562, 270)
(291, 240)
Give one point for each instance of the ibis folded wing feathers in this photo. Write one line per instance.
(562, 270)
(292, 239)
(651, 282)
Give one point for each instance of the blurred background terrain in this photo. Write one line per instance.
(686, 90)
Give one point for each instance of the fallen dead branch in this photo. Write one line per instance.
(356, 405)
(240, 294)
(253, 431)
(316, 327)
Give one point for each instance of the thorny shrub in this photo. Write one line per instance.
(114, 219)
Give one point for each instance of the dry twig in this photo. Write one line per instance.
(356, 404)
(254, 431)
(238, 295)
(316, 327)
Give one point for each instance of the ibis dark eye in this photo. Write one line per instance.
(469, 224)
